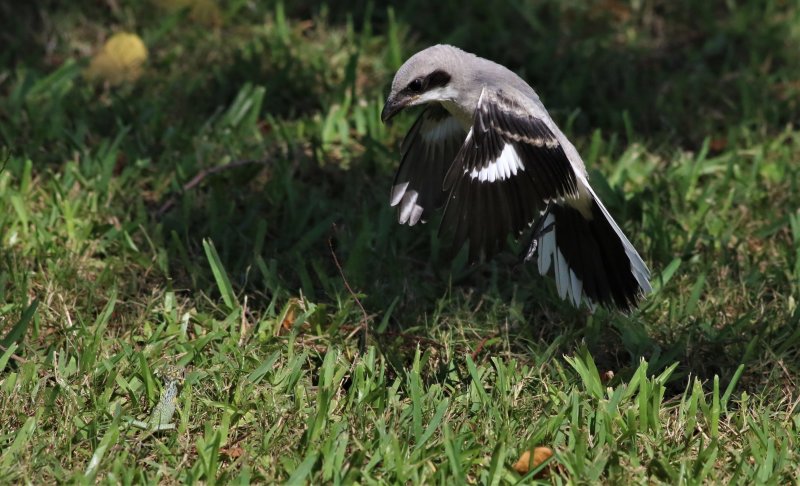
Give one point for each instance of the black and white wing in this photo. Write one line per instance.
(427, 151)
(512, 169)
(509, 168)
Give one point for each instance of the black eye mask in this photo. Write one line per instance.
(435, 79)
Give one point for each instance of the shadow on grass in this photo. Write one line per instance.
(272, 233)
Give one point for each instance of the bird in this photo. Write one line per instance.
(485, 148)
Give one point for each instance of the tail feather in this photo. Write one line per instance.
(594, 261)
(640, 270)
(546, 245)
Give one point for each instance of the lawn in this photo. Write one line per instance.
(201, 279)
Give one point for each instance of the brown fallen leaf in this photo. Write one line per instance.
(232, 452)
(718, 144)
(540, 455)
(288, 319)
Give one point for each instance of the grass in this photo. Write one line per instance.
(156, 328)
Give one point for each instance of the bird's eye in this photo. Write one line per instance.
(416, 85)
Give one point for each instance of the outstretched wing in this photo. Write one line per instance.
(509, 168)
(427, 151)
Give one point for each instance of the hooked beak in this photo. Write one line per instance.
(392, 107)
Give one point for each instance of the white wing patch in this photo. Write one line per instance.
(504, 167)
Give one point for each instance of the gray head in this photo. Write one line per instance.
(433, 74)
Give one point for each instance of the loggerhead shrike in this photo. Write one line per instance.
(486, 148)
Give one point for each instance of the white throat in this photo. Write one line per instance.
(463, 117)
(446, 96)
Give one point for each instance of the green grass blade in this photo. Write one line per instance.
(303, 471)
(20, 441)
(220, 276)
(16, 333)
(256, 375)
(433, 425)
(108, 440)
(9, 351)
